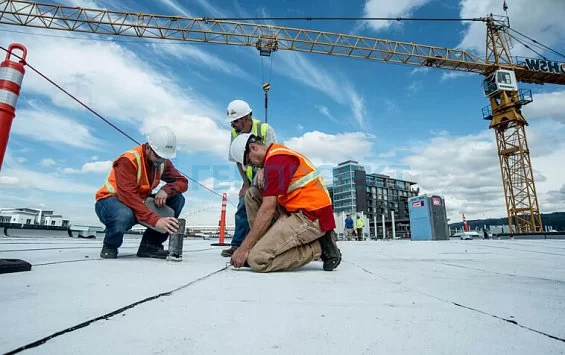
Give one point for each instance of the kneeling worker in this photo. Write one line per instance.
(295, 199)
(121, 201)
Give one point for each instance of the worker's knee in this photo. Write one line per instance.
(124, 219)
(256, 263)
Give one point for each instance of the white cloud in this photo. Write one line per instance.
(178, 10)
(30, 179)
(198, 56)
(215, 11)
(419, 70)
(396, 8)
(323, 148)
(326, 112)
(99, 167)
(94, 158)
(47, 162)
(300, 127)
(448, 75)
(121, 85)
(52, 128)
(335, 85)
(546, 105)
(542, 22)
(216, 140)
(231, 188)
(415, 86)
(466, 170)
(9, 180)
(20, 160)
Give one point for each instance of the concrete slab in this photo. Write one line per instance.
(444, 297)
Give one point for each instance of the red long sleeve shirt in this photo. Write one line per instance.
(126, 181)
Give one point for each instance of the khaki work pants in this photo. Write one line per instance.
(349, 233)
(290, 243)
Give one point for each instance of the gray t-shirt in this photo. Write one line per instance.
(270, 138)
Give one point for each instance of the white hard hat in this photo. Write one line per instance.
(237, 109)
(238, 145)
(163, 141)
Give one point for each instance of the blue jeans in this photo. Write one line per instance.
(119, 218)
(241, 224)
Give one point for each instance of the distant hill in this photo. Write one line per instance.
(555, 220)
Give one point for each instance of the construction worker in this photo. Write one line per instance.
(134, 175)
(239, 115)
(348, 227)
(359, 224)
(291, 221)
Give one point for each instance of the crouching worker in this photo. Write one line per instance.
(291, 221)
(124, 199)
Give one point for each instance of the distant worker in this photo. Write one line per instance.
(349, 227)
(239, 116)
(292, 221)
(359, 224)
(124, 199)
(485, 233)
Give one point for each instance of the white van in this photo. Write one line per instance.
(467, 235)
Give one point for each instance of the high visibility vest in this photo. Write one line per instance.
(307, 189)
(359, 223)
(137, 157)
(260, 130)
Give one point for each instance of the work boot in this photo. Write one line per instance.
(152, 251)
(108, 252)
(229, 252)
(331, 255)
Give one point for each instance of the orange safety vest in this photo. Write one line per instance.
(137, 157)
(307, 189)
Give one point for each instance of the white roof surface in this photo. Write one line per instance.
(393, 297)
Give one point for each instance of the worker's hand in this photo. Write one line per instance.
(260, 178)
(244, 189)
(161, 198)
(239, 257)
(170, 224)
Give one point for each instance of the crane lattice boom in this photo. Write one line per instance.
(269, 37)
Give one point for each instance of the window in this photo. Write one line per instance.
(504, 78)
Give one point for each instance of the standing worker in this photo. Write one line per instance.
(124, 199)
(239, 116)
(349, 227)
(292, 221)
(359, 224)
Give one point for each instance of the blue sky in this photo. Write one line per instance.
(422, 125)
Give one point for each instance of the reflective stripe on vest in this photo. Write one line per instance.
(111, 190)
(306, 179)
(307, 190)
(139, 165)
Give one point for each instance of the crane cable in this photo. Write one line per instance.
(537, 43)
(100, 116)
(266, 83)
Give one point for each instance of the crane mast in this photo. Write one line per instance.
(513, 152)
(504, 112)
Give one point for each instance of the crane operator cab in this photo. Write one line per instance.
(500, 80)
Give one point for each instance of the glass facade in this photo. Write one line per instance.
(344, 187)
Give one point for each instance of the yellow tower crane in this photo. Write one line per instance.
(501, 72)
